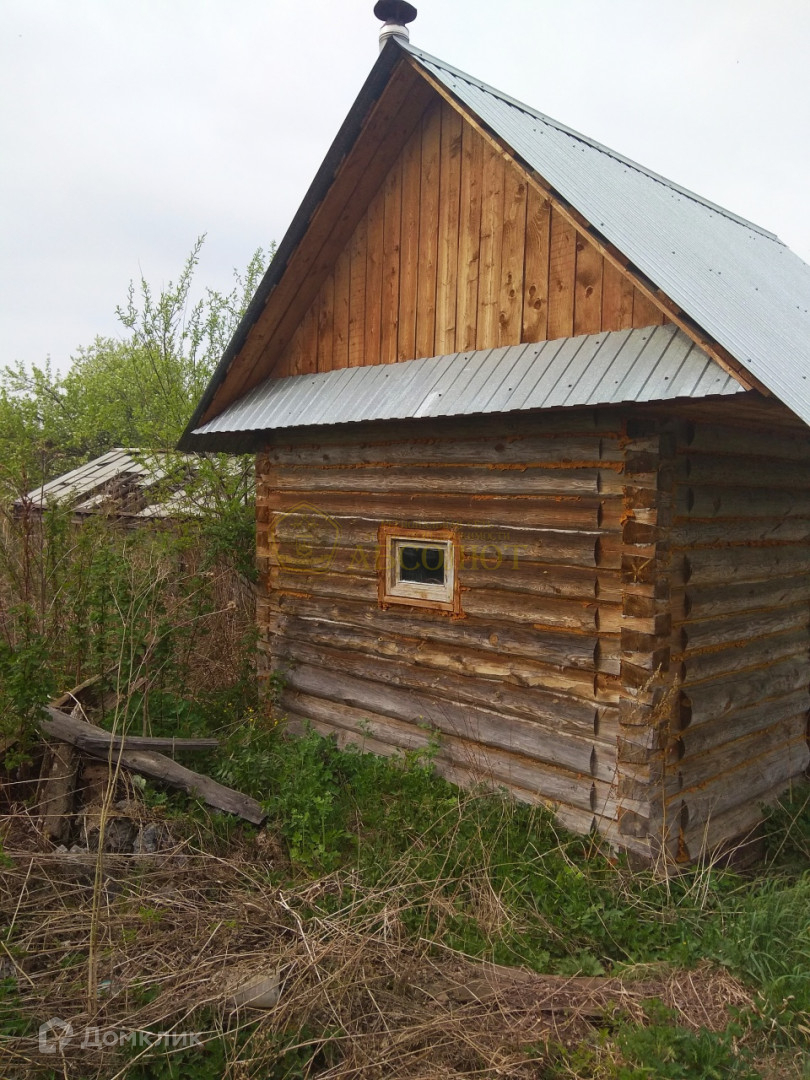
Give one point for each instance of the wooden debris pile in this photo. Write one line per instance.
(83, 772)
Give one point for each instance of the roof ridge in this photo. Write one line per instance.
(420, 54)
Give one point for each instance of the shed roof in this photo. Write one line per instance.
(128, 483)
(653, 364)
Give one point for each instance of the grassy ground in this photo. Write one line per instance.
(416, 931)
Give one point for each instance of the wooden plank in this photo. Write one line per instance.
(392, 236)
(672, 312)
(390, 122)
(428, 232)
(326, 322)
(409, 246)
(536, 268)
(469, 244)
(488, 326)
(358, 254)
(306, 356)
(562, 263)
(588, 288)
(510, 300)
(617, 298)
(149, 763)
(58, 792)
(645, 312)
(340, 341)
(375, 257)
(448, 239)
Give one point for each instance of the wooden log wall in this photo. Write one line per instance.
(523, 689)
(457, 251)
(740, 647)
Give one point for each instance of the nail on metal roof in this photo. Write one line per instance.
(657, 363)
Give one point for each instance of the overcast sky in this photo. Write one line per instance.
(129, 129)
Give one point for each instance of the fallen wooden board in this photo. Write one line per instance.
(86, 737)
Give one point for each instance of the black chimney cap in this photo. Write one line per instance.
(395, 11)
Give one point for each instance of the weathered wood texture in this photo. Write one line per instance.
(522, 690)
(634, 642)
(740, 644)
(456, 251)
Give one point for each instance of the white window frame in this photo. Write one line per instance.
(395, 590)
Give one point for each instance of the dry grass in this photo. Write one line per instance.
(175, 933)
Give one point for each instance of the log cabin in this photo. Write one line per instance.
(532, 449)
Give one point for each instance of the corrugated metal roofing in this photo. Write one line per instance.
(653, 364)
(107, 482)
(741, 284)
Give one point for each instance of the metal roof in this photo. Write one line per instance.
(653, 364)
(741, 284)
(128, 483)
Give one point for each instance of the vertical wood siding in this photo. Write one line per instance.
(523, 689)
(456, 252)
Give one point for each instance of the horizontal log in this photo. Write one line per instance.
(149, 763)
(746, 785)
(732, 597)
(433, 654)
(560, 648)
(717, 470)
(742, 563)
(722, 439)
(716, 663)
(736, 825)
(740, 690)
(698, 767)
(704, 737)
(357, 540)
(741, 629)
(530, 448)
(389, 479)
(713, 502)
(449, 510)
(485, 766)
(522, 737)
(607, 421)
(540, 611)
(372, 679)
(697, 534)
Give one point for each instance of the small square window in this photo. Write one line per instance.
(419, 568)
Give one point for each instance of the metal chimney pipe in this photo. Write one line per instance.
(396, 15)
